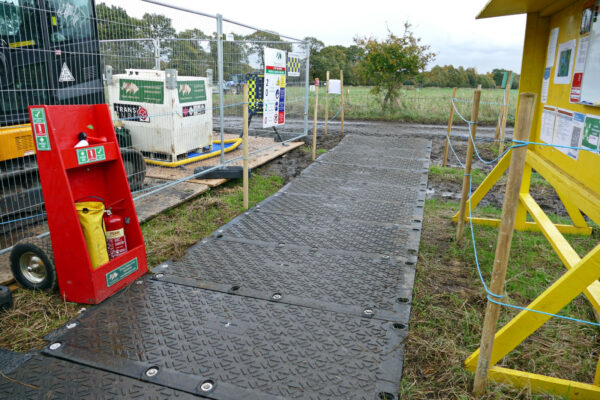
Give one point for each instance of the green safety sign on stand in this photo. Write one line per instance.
(40, 129)
(90, 155)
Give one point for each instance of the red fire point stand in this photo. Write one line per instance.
(68, 174)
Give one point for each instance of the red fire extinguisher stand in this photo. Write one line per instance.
(68, 174)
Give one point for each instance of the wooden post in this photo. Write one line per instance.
(504, 116)
(450, 119)
(342, 98)
(468, 162)
(507, 224)
(326, 101)
(245, 144)
(314, 138)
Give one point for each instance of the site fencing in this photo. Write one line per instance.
(146, 60)
(417, 105)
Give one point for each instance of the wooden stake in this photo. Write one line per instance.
(314, 138)
(326, 101)
(468, 162)
(450, 119)
(342, 98)
(507, 224)
(245, 144)
(504, 116)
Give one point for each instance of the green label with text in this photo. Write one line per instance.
(40, 129)
(123, 271)
(190, 91)
(141, 91)
(90, 155)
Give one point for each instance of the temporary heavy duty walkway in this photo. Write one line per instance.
(306, 296)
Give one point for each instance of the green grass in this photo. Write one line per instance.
(437, 172)
(308, 150)
(449, 303)
(37, 313)
(431, 105)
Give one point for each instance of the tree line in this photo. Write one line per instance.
(351, 60)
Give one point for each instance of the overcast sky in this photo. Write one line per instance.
(449, 27)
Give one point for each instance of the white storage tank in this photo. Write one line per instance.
(167, 115)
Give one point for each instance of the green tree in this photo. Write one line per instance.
(390, 62)
(260, 39)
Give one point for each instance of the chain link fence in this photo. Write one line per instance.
(172, 78)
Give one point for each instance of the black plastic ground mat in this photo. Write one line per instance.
(383, 176)
(244, 348)
(364, 150)
(404, 142)
(353, 190)
(355, 237)
(10, 360)
(317, 279)
(373, 161)
(350, 209)
(46, 378)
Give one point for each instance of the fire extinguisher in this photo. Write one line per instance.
(114, 224)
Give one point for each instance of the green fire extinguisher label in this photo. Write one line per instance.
(121, 272)
(40, 129)
(90, 154)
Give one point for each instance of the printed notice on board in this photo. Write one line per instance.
(551, 52)
(582, 51)
(591, 132)
(545, 85)
(568, 132)
(578, 125)
(564, 62)
(548, 120)
(274, 87)
(563, 130)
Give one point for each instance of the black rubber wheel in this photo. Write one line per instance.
(32, 265)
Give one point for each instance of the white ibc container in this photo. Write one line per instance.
(167, 115)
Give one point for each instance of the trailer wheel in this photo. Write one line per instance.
(32, 267)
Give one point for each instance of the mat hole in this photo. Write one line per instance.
(235, 288)
(385, 396)
(402, 300)
(219, 236)
(398, 325)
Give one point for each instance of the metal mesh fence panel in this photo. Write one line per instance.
(172, 78)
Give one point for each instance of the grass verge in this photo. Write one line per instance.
(38, 313)
(449, 302)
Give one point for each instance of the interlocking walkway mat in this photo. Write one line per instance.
(47, 378)
(305, 296)
(246, 348)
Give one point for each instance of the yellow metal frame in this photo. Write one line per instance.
(236, 143)
(577, 185)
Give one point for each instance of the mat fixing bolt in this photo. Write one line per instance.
(159, 275)
(55, 346)
(71, 325)
(368, 311)
(151, 372)
(207, 386)
(276, 296)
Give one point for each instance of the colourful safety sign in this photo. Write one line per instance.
(293, 64)
(90, 154)
(274, 88)
(40, 129)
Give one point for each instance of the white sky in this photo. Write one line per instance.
(448, 26)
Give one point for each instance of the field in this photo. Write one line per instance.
(423, 106)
